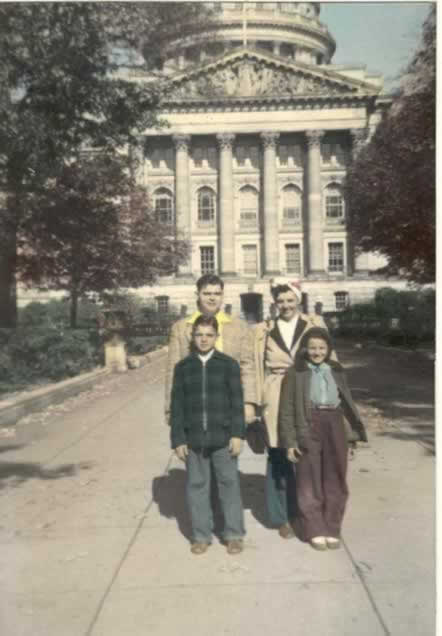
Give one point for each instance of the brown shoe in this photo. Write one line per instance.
(235, 546)
(199, 548)
(286, 531)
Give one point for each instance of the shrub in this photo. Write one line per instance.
(45, 354)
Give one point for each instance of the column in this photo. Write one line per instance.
(182, 194)
(136, 152)
(358, 136)
(226, 218)
(271, 245)
(315, 216)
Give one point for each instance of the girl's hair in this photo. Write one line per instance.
(315, 332)
(206, 321)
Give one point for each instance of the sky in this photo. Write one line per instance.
(380, 35)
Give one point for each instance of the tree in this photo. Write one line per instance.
(60, 93)
(390, 187)
(94, 231)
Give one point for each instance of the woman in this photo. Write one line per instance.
(276, 343)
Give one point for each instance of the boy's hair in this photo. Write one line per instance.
(206, 321)
(315, 332)
(209, 279)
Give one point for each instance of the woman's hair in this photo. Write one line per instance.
(315, 332)
(280, 289)
(206, 321)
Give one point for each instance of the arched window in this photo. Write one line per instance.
(334, 203)
(164, 206)
(291, 205)
(206, 206)
(249, 206)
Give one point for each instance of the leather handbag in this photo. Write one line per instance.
(256, 436)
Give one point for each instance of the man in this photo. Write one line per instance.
(235, 339)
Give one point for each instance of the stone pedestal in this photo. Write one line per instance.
(115, 358)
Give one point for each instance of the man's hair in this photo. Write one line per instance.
(315, 332)
(209, 279)
(205, 321)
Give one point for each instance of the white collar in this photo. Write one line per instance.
(206, 357)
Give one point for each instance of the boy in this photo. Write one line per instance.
(207, 428)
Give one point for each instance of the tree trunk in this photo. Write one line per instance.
(8, 264)
(74, 308)
(8, 294)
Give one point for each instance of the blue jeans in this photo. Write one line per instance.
(198, 493)
(280, 488)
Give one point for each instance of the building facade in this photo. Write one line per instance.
(262, 127)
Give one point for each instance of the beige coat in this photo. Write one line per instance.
(272, 363)
(237, 339)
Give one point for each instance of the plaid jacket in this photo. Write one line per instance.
(207, 406)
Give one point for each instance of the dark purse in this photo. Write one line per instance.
(256, 436)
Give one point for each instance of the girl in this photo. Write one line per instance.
(314, 398)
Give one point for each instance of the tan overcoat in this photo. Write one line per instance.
(272, 363)
(237, 338)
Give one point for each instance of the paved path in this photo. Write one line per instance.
(93, 524)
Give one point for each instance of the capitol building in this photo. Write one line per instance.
(262, 127)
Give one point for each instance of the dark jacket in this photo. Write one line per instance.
(207, 406)
(295, 406)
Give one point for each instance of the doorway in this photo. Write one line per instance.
(251, 307)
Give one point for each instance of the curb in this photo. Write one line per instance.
(40, 399)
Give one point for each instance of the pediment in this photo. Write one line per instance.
(248, 73)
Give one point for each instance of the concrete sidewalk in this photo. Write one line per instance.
(94, 530)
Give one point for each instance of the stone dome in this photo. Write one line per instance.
(286, 29)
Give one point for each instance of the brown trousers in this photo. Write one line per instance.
(321, 476)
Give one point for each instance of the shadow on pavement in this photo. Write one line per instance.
(169, 493)
(16, 473)
(399, 386)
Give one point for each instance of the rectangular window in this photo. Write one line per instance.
(163, 304)
(335, 257)
(155, 158)
(161, 158)
(293, 258)
(163, 210)
(334, 153)
(341, 300)
(333, 207)
(250, 259)
(291, 216)
(248, 217)
(290, 155)
(207, 259)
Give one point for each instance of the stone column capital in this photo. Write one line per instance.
(314, 137)
(269, 138)
(225, 140)
(181, 141)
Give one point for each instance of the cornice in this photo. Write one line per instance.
(242, 104)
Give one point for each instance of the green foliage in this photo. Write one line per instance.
(56, 313)
(60, 93)
(402, 316)
(390, 188)
(92, 230)
(39, 354)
